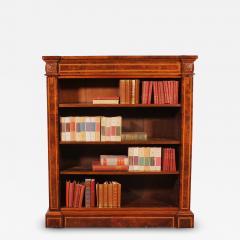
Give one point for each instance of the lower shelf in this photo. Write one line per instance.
(120, 217)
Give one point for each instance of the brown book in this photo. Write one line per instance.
(110, 195)
(100, 194)
(98, 167)
(119, 195)
(67, 193)
(97, 194)
(127, 92)
(92, 193)
(76, 195)
(115, 194)
(105, 194)
(137, 91)
(71, 193)
(122, 91)
(87, 192)
(82, 190)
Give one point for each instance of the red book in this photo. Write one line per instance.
(174, 159)
(71, 193)
(82, 188)
(96, 166)
(160, 92)
(92, 193)
(150, 88)
(170, 92)
(76, 195)
(176, 92)
(155, 92)
(67, 193)
(144, 87)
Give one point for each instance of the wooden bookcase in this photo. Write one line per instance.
(149, 199)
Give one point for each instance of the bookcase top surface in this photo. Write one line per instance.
(133, 57)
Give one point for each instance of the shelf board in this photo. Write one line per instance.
(120, 209)
(90, 105)
(76, 171)
(135, 142)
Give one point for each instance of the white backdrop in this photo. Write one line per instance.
(30, 29)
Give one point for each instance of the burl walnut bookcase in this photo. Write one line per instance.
(149, 199)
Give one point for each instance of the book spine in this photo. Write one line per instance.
(133, 86)
(105, 195)
(92, 193)
(67, 193)
(127, 91)
(63, 128)
(87, 192)
(71, 193)
(122, 91)
(137, 91)
(115, 195)
(100, 194)
(110, 195)
(119, 195)
(67, 133)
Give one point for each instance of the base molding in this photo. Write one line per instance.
(119, 218)
(54, 219)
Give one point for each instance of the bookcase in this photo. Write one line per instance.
(149, 199)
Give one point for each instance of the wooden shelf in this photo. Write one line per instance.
(75, 171)
(90, 105)
(143, 142)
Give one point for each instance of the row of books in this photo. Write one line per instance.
(74, 194)
(87, 128)
(111, 128)
(169, 159)
(129, 91)
(162, 92)
(144, 158)
(138, 159)
(83, 128)
(107, 194)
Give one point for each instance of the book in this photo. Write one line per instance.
(87, 192)
(144, 158)
(92, 193)
(71, 193)
(169, 160)
(82, 190)
(133, 136)
(67, 193)
(96, 166)
(129, 91)
(113, 160)
(106, 100)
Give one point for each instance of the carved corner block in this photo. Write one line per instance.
(54, 219)
(185, 220)
(187, 67)
(51, 68)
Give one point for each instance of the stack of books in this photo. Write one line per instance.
(165, 92)
(111, 128)
(129, 91)
(108, 195)
(144, 158)
(106, 100)
(169, 161)
(111, 163)
(74, 194)
(134, 136)
(80, 128)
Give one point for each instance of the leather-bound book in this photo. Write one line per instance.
(76, 195)
(105, 194)
(92, 193)
(100, 195)
(115, 194)
(110, 195)
(97, 194)
(137, 87)
(87, 192)
(71, 193)
(119, 195)
(82, 190)
(67, 193)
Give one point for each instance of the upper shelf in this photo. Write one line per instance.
(90, 105)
